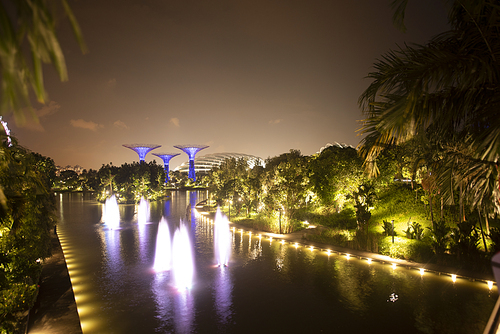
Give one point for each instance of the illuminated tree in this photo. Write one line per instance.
(286, 186)
(448, 87)
(336, 173)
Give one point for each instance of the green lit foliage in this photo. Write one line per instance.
(414, 231)
(407, 249)
(130, 182)
(388, 228)
(417, 92)
(286, 188)
(364, 198)
(440, 237)
(26, 219)
(335, 174)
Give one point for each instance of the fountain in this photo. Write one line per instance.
(222, 239)
(143, 211)
(111, 213)
(163, 256)
(182, 259)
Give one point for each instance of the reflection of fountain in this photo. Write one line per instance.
(182, 259)
(223, 289)
(222, 239)
(143, 211)
(163, 255)
(111, 213)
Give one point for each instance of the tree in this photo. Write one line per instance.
(286, 186)
(449, 86)
(28, 39)
(336, 173)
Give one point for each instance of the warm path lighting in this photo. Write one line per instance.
(422, 270)
(490, 285)
(348, 256)
(453, 278)
(329, 252)
(394, 266)
(369, 260)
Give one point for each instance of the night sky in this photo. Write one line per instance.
(256, 77)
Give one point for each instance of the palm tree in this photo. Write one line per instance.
(448, 88)
(29, 23)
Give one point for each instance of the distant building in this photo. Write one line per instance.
(334, 144)
(78, 169)
(205, 163)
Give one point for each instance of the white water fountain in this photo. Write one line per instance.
(111, 213)
(222, 239)
(182, 259)
(163, 254)
(143, 211)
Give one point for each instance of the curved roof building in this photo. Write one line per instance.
(206, 162)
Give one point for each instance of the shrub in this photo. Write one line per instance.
(407, 249)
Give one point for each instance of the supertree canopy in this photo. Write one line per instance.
(191, 151)
(166, 159)
(141, 149)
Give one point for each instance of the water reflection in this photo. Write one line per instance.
(223, 299)
(267, 280)
(183, 311)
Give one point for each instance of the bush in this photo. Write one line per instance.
(14, 305)
(407, 249)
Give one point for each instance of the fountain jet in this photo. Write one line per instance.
(111, 213)
(182, 259)
(143, 211)
(222, 239)
(163, 256)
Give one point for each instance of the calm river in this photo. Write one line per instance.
(268, 287)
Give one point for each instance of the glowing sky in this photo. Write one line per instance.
(259, 77)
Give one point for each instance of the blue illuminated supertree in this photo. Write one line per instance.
(191, 151)
(166, 159)
(141, 149)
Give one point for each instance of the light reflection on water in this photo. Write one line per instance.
(268, 286)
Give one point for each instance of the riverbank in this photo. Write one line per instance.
(55, 309)
(300, 238)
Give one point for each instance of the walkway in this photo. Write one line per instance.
(55, 309)
(299, 237)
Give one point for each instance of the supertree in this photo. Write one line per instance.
(141, 149)
(191, 151)
(166, 159)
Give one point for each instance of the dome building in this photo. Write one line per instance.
(206, 162)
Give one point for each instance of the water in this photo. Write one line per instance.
(268, 287)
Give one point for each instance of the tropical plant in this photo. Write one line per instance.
(440, 236)
(28, 39)
(448, 87)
